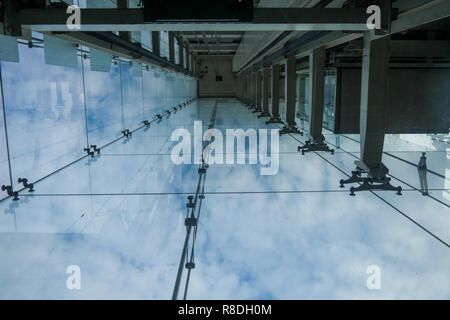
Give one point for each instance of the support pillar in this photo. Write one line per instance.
(188, 59)
(253, 93)
(265, 92)
(249, 90)
(172, 47)
(290, 94)
(244, 89)
(275, 96)
(316, 98)
(156, 43)
(374, 92)
(370, 171)
(194, 65)
(255, 90)
(258, 92)
(180, 53)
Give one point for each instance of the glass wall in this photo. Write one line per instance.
(303, 98)
(45, 117)
(133, 103)
(4, 164)
(54, 112)
(104, 98)
(119, 217)
(329, 99)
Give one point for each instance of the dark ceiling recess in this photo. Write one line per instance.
(198, 10)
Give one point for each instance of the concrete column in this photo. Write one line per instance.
(265, 94)
(180, 53)
(254, 89)
(290, 91)
(316, 93)
(188, 59)
(374, 93)
(276, 91)
(244, 88)
(156, 43)
(249, 89)
(259, 91)
(171, 47)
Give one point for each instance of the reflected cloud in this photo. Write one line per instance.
(120, 215)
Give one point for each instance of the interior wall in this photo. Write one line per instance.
(211, 68)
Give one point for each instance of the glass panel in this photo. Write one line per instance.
(329, 99)
(116, 241)
(45, 114)
(135, 228)
(133, 109)
(146, 38)
(103, 104)
(148, 79)
(303, 99)
(4, 165)
(319, 248)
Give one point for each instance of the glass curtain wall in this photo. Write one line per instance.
(303, 99)
(52, 113)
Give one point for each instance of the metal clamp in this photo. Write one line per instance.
(314, 146)
(274, 120)
(26, 184)
(290, 129)
(369, 183)
(89, 152)
(95, 149)
(190, 222)
(189, 265)
(190, 204)
(127, 133)
(264, 115)
(10, 192)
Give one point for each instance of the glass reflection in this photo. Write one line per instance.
(46, 124)
(104, 98)
(4, 171)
